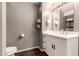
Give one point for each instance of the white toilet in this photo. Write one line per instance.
(10, 51)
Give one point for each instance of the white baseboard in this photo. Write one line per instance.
(30, 49)
(40, 49)
(27, 49)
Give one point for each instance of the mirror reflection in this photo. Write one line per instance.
(63, 17)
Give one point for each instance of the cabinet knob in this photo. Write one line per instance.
(53, 46)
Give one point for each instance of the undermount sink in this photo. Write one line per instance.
(62, 34)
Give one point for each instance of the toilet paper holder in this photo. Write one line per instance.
(21, 36)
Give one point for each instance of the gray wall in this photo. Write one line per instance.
(0, 28)
(21, 17)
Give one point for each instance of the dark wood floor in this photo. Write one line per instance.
(32, 52)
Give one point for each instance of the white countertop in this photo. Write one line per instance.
(62, 34)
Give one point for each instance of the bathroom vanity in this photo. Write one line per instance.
(60, 43)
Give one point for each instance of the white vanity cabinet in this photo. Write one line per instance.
(55, 46)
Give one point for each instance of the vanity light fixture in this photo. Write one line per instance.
(59, 5)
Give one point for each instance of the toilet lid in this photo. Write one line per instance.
(11, 49)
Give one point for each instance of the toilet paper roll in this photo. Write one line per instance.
(22, 35)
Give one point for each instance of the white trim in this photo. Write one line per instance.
(30, 49)
(40, 49)
(3, 28)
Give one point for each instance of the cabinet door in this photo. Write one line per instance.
(50, 50)
(60, 47)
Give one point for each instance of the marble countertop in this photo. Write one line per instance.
(62, 34)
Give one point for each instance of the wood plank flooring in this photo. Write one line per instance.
(32, 52)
